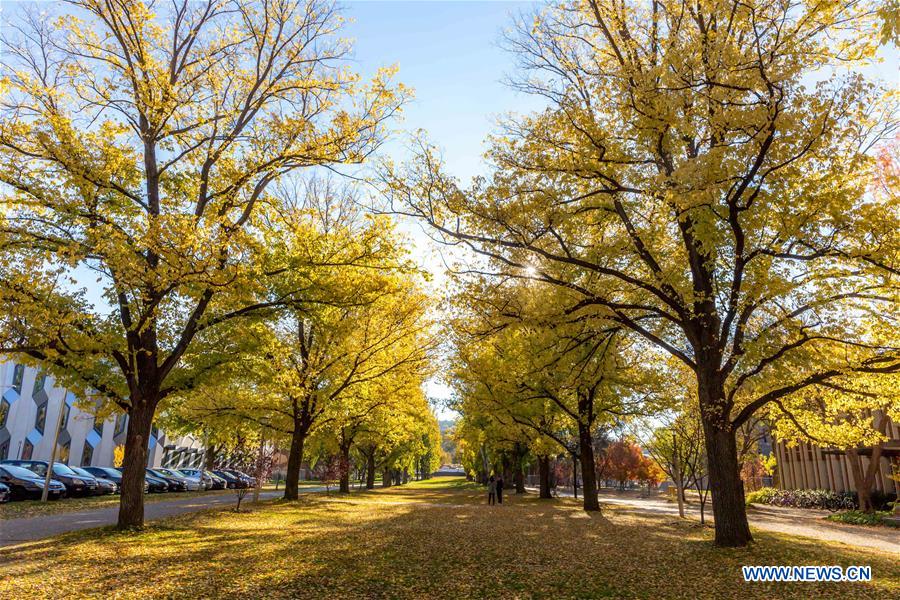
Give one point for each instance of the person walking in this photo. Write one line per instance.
(492, 490)
(499, 489)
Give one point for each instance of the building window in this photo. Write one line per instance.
(27, 450)
(41, 418)
(62, 453)
(65, 418)
(98, 426)
(4, 450)
(39, 383)
(87, 454)
(18, 375)
(4, 411)
(121, 420)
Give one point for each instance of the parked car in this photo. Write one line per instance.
(174, 484)
(156, 485)
(107, 486)
(5, 493)
(112, 474)
(232, 481)
(251, 481)
(218, 483)
(205, 477)
(193, 484)
(24, 484)
(76, 485)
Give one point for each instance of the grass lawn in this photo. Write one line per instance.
(432, 539)
(31, 508)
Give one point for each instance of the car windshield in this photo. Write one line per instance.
(19, 471)
(82, 472)
(156, 473)
(61, 469)
(104, 472)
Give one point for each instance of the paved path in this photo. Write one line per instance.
(27, 529)
(793, 521)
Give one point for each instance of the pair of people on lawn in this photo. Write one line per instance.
(495, 489)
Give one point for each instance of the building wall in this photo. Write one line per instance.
(30, 405)
(806, 466)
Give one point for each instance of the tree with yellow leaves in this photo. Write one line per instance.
(525, 373)
(137, 144)
(697, 178)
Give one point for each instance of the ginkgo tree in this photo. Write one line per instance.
(518, 365)
(137, 143)
(699, 178)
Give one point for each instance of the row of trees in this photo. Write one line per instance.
(158, 252)
(693, 205)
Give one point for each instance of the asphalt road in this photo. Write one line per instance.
(27, 529)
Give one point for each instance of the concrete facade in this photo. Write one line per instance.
(30, 404)
(807, 466)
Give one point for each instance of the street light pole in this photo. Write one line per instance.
(62, 409)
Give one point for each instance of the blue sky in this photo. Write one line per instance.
(448, 53)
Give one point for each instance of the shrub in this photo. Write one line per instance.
(856, 517)
(763, 495)
(824, 499)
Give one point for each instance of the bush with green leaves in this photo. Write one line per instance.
(858, 517)
(823, 499)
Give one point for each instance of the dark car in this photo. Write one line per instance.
(174, 484)
(155, 485)
(251, 481)
(218, 483)
(24, 484)
(76, 485)
(5, 493)
(232, 481)
(113, 475)
(105, 473)
(107, 486)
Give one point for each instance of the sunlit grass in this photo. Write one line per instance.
(432, 539)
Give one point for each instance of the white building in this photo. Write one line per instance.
(30, 403)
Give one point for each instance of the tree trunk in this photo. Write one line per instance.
(729, 510)
(386, 480)
(370, 470)
(575, 476)
(345, 469)
(295, 459)
(676, 476)
(863, 489)
(210, 457)
(588, 475)
(134, 463)
(544, 475)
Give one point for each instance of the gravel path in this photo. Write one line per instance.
(27, 529)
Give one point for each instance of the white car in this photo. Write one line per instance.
(191, 483)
